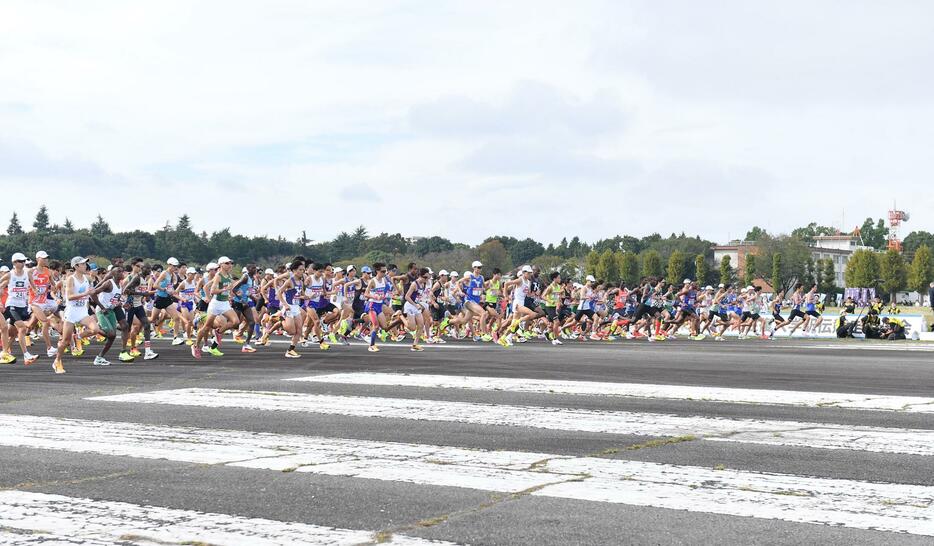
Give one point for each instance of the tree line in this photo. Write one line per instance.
(780, 259)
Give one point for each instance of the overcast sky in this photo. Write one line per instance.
(465, 119)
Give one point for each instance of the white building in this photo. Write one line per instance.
(838, 248)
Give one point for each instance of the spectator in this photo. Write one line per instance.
(931, 296)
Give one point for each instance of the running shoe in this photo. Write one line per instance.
(324, 346)
(177, 341)
(382, 335)
(195, 352)
(247, 349)
(51, 352)
(556, 342)
(57, 366)
(7, 358)
(125, 357)
(215, 351)
(373, 349)
(291, 353)
(417, 348)
(100, 361)
(150, 355)
(134, 352)
(78, 351)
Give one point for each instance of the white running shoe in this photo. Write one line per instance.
(51, 352)
(101, 361)
(556, 342)
(177, 341)
(150, 355)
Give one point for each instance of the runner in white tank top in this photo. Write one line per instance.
(77, 290)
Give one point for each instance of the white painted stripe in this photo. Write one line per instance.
(755, 431)
(55, 519)
(851, 503)
(634, 390)
(490, 471)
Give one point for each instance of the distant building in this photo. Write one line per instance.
(737, 251)
(838, 248)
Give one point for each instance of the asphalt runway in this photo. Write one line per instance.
(587, 443)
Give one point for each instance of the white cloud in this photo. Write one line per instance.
(467, 119)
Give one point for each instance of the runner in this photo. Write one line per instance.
(18, 284)
(77, 291)
(376, 293)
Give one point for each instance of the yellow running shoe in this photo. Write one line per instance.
(78, 351)
(7, 358)
(373, 349)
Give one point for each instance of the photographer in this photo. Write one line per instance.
(893, 329)
(872, 326)
(844, 329)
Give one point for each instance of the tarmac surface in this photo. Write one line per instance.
(389, 505)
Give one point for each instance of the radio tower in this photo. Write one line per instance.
(896, 217)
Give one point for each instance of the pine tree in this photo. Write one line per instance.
(14, 228)
(41, 223)
(67, 227)
(676, 268)
(591, 263)
(777, 272)
(726, 271)
(628, 268)
(750, 270)
(608, 268)
(184, 223)
(100, 228)
(829, 277)
(651, 264)
(700, 269)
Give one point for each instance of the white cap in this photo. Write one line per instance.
(687, 281)
(590, 278)
(721, 285)
(211, 266)
(18, 257)
(42, 254)
(467, 274)
(269, 271)
(243, 270)
(338, 269)
(750, 287)
(453, 273)
(578, 285)
(78, 260)
(476, 263)
(351, 268)
(430, 272)
(526, 269)
(708, 287)
(172, 261)
(4, 269)
(443, 272)
(224, 260)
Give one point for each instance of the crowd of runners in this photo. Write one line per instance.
(67, 304)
